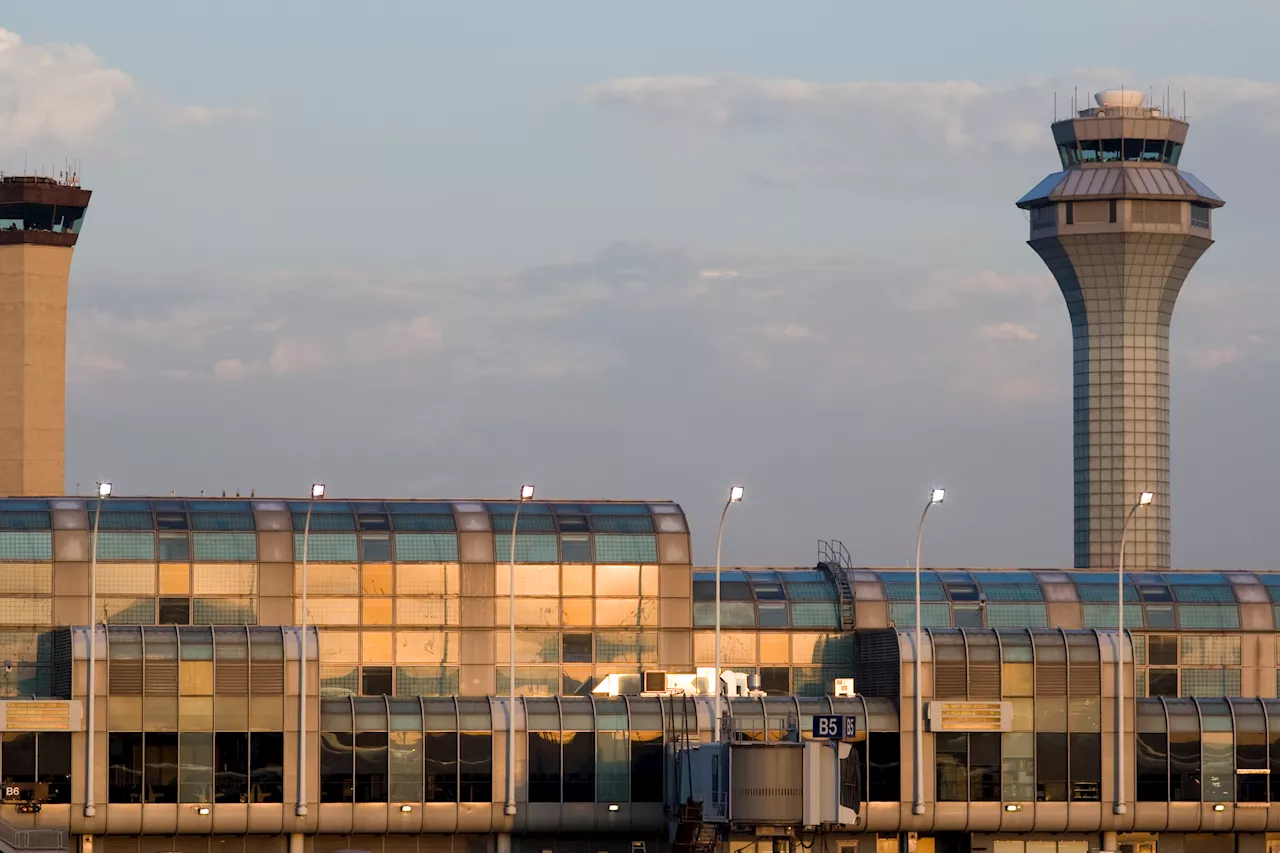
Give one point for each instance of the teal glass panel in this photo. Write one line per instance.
(426, 681)
(1204, 594)
(529, 523)
(225, 547)
(903, 615)
(438, 521)
(1013, 592)
(1210, 683)
(1104, 615)
(811, 592)
(126, 546)
(832, 650)
(324, 521)
(907, 592)
(1017, 616)
(634, 548)
(123, 520)
(618, 509)
(613, 767)
(733, 614)
(1208, 616)
(427, 547)
(223, 611)
(984, 578)
(326, 547)
(26, 545)
(141, 611)
(530, 680)
(623, 524)
(530, 548)
(26, 520)
(222, 521)
(816, 680)
(815, 615)
(626, 647)
(1275, 609)
(1106, 592)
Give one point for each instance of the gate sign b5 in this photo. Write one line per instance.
(835, 726)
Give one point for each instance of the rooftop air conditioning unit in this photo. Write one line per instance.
(655, 680)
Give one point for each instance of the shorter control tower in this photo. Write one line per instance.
(1120, 228)
(40, 221)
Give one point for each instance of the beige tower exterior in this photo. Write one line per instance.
(1120, 227)
(39, 221)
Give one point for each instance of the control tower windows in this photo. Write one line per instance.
(1087, 151)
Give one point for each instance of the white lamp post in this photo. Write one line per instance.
(526, 494)
(917, 803)
(1144, 499)
(317, 492)
(90, 807)
(735, 496)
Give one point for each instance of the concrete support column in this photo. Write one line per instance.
(1109, 843)
(297, 842)
(502, 842)
(86, 844)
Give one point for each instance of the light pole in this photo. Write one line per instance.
(300, 810)
(90, 807)
(526, 493)
(917, 802)
(735, 496)
(1144, 499)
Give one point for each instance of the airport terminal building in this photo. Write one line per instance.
(196, 710)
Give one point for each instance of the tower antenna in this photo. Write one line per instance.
(1055, 105)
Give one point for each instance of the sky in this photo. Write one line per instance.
(638, 251)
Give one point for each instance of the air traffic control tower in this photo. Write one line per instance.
(1120, 228)
(39, 221)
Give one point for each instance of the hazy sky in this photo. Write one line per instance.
(638, 250)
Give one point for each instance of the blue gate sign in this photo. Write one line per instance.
(835, 726)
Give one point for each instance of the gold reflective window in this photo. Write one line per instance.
(617, 580)
(577, 612)
(1018, 679)
(426, 611)
(427, 647)
(329, 579)
(427, 579)
(175, 579)
(774, 648)
(266, 713)
(195, 677)
(330, 611)
(124, 713)
(531, 580)
(339, 647)
(225, 578)
(376, 648)
(126, 579)
(577, 579)
(648, 580)
(376, 579)
(531, 647)
(26, 578)
(377, 611)
(195, 713)
(529, 611)
(160, 714)
(619, 612)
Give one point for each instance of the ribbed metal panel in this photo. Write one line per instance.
(266, 677)
(950, 680)
(1051, 679)
(984, 681)
(876, 663)
(1086, 679)
(258, 843)
(371, 843)
(124, 677)
(231, 677)
(160, 678)
(63, 664)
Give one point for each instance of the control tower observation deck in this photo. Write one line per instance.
(1120, 228)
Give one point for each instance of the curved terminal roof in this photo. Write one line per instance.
(1119, 180)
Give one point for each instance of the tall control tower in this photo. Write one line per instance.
(1120, 227)
(39, 221)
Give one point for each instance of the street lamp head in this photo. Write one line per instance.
(317, 490)
(526, 492)
(735, 494)
(1146, 498)
(936, 496)
(104, 490)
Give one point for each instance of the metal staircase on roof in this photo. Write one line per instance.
(834, 558)
(15, 840)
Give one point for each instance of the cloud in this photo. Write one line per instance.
(1006, 332)
(1211, 358)
(54, 93)
(230, 370)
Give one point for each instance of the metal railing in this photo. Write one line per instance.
(14, 840)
